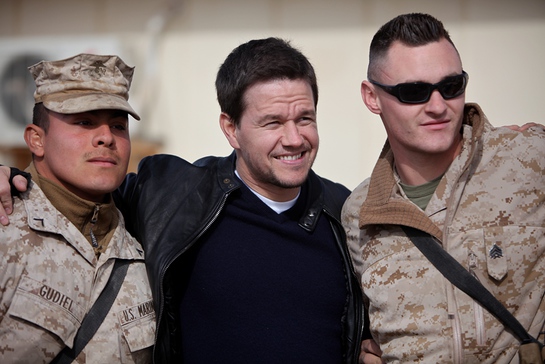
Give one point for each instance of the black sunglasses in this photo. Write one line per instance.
(420, 92)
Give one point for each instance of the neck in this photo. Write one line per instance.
(270, 191)
(415, 169)
(273, 193)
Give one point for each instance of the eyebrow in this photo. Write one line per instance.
(305, 112)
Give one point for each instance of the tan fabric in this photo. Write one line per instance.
(492, 196)
(82, 83)
(80, 212)
(50, 278)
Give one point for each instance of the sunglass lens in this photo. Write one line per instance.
(414, 92)
(453, 87)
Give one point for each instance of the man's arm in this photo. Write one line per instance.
(19, 182)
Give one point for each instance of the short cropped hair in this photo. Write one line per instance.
(413, 30)
(40, 116)
(256, 61)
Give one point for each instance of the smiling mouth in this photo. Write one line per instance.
(290, 157)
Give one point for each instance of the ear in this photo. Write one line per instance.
(229, 129)
(34, 138)
(370, 97)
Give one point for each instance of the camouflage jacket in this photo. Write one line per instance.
(49, 279)
(488, 212)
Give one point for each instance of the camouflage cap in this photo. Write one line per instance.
(82, 83)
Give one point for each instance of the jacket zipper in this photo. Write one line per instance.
(452, 303)
(477, 309)
(457, 354)
(161, 278)
(94, 219)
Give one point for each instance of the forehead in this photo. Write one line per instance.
(279, 93)
(430, 62)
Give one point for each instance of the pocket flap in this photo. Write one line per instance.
(138, 324)
(48, 308)
(496, 261)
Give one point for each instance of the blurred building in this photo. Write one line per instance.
(177, 47)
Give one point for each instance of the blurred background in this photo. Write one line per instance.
(177, 47)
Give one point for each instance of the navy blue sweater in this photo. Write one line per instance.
(260, 289)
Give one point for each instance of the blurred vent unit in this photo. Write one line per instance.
(16, 83)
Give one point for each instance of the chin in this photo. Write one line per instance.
(103, 187)
(291, 183)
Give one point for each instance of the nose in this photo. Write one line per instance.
(436, 104)
(292, 136)
(104, 136)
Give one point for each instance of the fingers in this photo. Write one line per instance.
(20, 183)
(370, 346)
(524, 127)
(370, 352)
(529, 125)
(512, 127)
(6, 201)
(366, 358)
(6, 204)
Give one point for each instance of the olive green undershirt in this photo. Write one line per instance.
(420, 195)
(80, 211)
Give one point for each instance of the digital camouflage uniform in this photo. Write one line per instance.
(49, 279)
(488, 212)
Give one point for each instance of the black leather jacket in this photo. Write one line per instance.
(171, 203)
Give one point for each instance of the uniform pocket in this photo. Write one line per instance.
(47, 307)
(138, 325)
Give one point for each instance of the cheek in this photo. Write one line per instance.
(394, 122)
(457, 107)
(124, 147)
(311, 134)
(262, 141)
(402, 116)
(58, 150)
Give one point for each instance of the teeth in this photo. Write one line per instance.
(290, 157)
